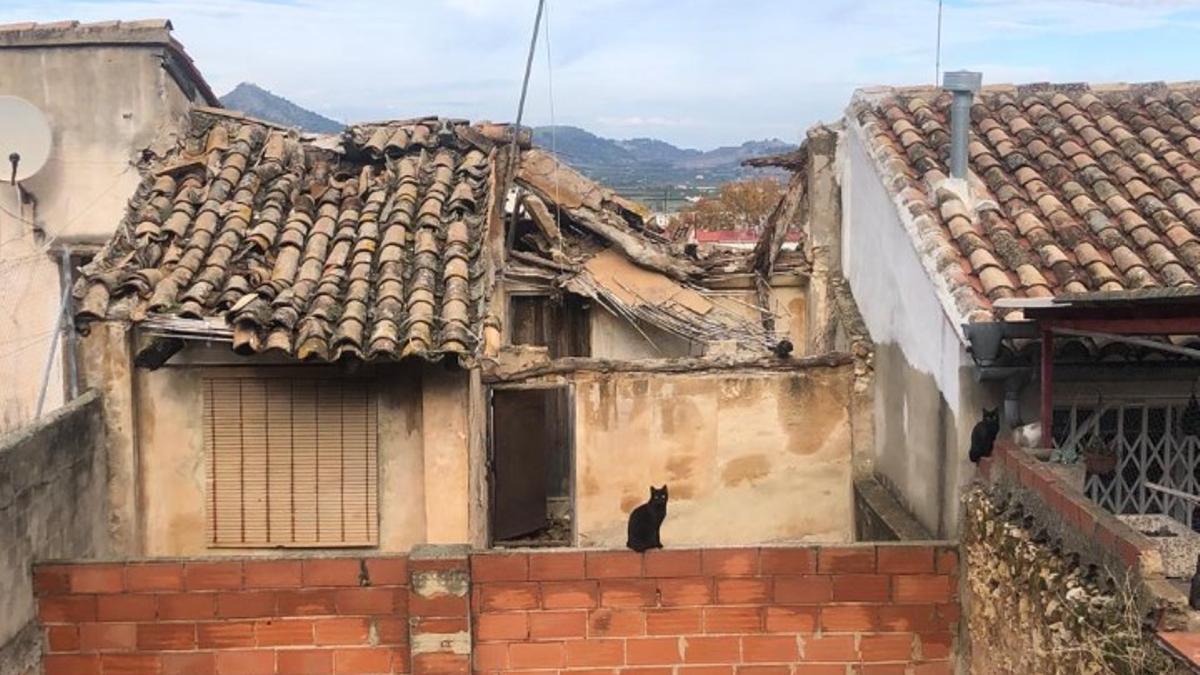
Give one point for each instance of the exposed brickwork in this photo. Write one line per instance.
(346, 615)
(851, 609)
(443, 611)
(440, 584)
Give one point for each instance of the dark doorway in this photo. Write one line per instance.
(530, 465)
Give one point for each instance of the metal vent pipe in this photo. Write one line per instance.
(963, 84)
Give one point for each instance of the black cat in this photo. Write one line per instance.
(645, 521)
(983, 436)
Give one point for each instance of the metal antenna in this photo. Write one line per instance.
(513, 149)
(937, 59)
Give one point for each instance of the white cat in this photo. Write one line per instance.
(1029, 438)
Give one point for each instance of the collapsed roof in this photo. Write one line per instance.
(377, 244)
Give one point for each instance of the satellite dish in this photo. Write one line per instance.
(24, 139)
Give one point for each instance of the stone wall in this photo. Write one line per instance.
(1033, 607)
(52, 481)
(1107, 577)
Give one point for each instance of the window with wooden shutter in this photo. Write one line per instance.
(291, 462)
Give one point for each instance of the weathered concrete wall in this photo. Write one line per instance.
(106, 366)
(422, 442)
(104, 105)
(51, 506)
(926, 401)
(879, 517)
(750, 457)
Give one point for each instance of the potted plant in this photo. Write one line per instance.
(1099, 457)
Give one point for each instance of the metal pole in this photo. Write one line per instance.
(513, 149)
(72, 374)
(58, 320)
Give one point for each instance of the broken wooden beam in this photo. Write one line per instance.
(493, 373)
(793, 160)
(157, 352)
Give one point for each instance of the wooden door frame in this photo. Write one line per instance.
(490, 449)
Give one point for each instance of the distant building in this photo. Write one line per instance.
(114, 93)
(742, 239)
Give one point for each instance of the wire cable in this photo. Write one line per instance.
(553, 122)
(937, 59)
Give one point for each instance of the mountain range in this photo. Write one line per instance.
(649, 161)
(637, 163)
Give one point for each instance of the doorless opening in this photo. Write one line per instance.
(531, 467)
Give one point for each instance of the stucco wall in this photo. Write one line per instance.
(750, 457)
(926, 399)
(51, 506)
(422, 440)
(104, 104)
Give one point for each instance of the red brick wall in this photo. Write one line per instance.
(856, 609)
(331, 615)
(887, 608)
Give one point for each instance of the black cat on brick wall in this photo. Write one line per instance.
(646, 520)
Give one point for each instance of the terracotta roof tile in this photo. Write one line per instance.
(303, 251)
(1075, 189)
(370, 248)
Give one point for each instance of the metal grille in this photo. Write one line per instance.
(291, 462)
(1149, 447)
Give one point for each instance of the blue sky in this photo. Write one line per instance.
(698, 73)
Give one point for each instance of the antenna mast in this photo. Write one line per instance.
(937, 59)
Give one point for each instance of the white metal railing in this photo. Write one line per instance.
(1149, 448)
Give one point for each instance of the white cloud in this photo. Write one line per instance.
(638, 121)
(700, 73)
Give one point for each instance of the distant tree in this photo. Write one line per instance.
(738, 205)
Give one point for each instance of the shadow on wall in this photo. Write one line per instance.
(920, 441)
(52, 506)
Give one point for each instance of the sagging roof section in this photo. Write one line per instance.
(1073, 188)
(367, 251)
(372, 245)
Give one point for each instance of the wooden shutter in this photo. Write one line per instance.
(291, 462)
